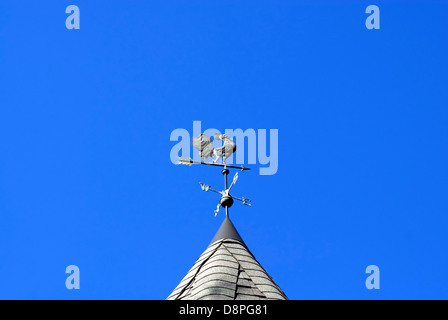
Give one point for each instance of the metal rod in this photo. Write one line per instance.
(225, 172)
(220, 192)
(189, 161)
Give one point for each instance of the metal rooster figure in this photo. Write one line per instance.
(204, 145)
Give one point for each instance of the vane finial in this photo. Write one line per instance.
(204, 145)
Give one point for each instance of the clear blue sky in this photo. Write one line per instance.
(86, 115)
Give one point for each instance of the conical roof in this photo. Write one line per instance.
(227, 270)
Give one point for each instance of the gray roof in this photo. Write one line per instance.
(227, 270)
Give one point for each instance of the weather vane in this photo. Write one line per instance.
(204, 145)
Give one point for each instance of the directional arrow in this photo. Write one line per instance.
(189, 162)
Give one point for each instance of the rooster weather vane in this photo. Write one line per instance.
(204, 145)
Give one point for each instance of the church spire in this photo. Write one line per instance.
(227, 270)
(227, 231)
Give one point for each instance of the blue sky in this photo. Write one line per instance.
(86, 116)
